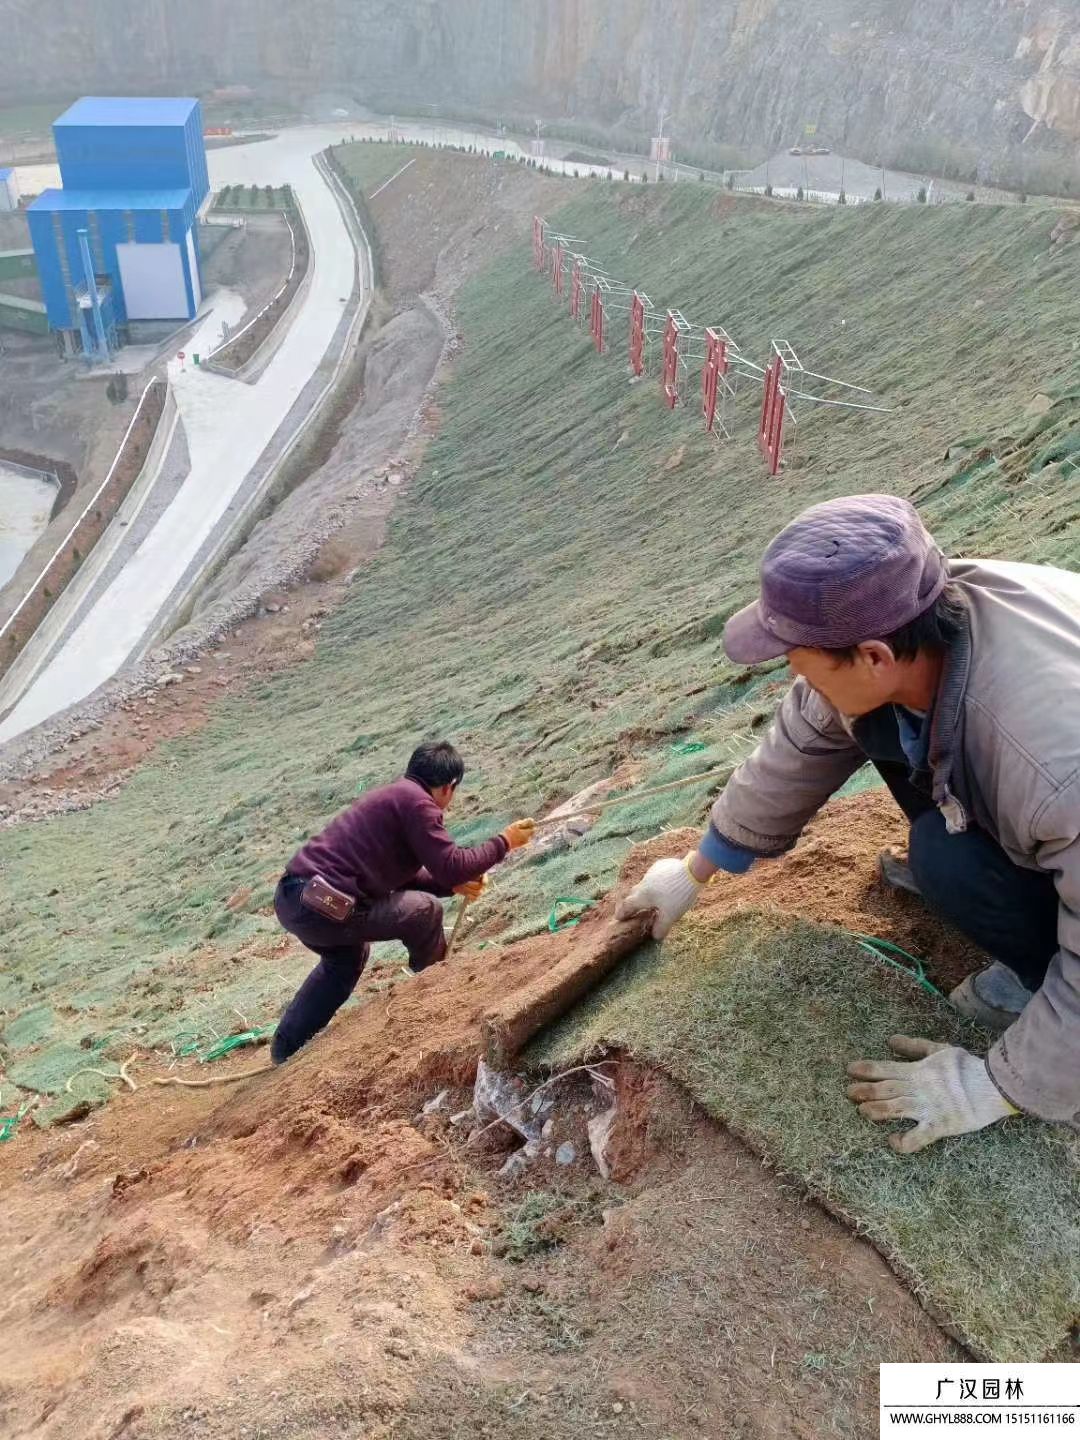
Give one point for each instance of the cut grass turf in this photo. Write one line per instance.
(757, 1017)
(371, 164)
(554, 585)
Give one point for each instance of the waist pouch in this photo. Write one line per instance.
(327, 900)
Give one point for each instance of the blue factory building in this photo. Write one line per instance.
(120, 241)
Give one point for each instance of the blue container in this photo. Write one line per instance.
(134, 173)
(123, 144)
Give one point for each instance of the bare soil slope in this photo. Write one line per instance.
(309, 1254)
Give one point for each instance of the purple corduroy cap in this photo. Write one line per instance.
(848, 570)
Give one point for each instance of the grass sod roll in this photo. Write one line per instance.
(757, 1017)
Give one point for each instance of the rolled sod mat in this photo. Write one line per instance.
(757, 1016)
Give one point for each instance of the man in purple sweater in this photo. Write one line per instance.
(392, 857)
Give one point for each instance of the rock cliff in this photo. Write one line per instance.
(881, 78)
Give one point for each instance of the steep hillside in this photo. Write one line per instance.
(916, 82)
(323, 1250)
(554, 586)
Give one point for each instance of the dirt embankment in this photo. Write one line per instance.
(313, 1254)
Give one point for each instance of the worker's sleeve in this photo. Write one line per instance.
(725, 856)
(449, 864)
(805, 757)
(1036, 1063)
(426, 883)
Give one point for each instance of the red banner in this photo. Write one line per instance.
(538, 243)
(671, 362)
(771, 427)
(637, 334)
(596, 321)
(716, 364)
(557, 269)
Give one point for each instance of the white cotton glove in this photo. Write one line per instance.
(947, 1090)
(666, 887)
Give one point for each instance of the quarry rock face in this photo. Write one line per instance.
(873, 76)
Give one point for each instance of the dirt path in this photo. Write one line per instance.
(310, 1254)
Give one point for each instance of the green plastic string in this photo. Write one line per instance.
(234, 1042)
(556, 923)
(188, 1043)
(10, 1123)
(885, 949)
(688, 747)
(190, 1046)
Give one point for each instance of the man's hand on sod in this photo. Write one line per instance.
(948, 1091)
(944, 1089)
(671, 888)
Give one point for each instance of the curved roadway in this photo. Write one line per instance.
(228, 424)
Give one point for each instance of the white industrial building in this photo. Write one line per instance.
(9, 190)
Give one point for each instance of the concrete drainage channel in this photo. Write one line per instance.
(304, 413)
(93, 575)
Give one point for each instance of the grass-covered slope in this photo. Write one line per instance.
(554, 586)
(757, 1016)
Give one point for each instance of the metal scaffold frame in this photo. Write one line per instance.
(577, 281)
(719, 383)
(788, 387)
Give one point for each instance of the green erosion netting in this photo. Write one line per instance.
(554, 585)
(757, 1017)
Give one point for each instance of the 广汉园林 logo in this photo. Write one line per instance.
(936, 1400)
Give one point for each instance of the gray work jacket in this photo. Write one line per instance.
(1004, 755)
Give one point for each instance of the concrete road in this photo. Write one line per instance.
(228, 424)
(824, 176)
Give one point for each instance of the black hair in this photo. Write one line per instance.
(934, 631)
(435, 763)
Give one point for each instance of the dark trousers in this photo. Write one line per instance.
(968, 879)
(411, 916)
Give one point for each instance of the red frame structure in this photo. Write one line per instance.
(575, 289)
(538, 243)
(596, 320)
(773, 406)
(637, 334)
(671, 362)
(716, 365)
(787, 385)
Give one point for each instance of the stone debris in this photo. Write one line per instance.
(438, 1105)
(600, 1129)
(514, 1165)
(498, 1096)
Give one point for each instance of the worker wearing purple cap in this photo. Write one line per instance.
(960, 681)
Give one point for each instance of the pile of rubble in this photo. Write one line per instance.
(559, 1122)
